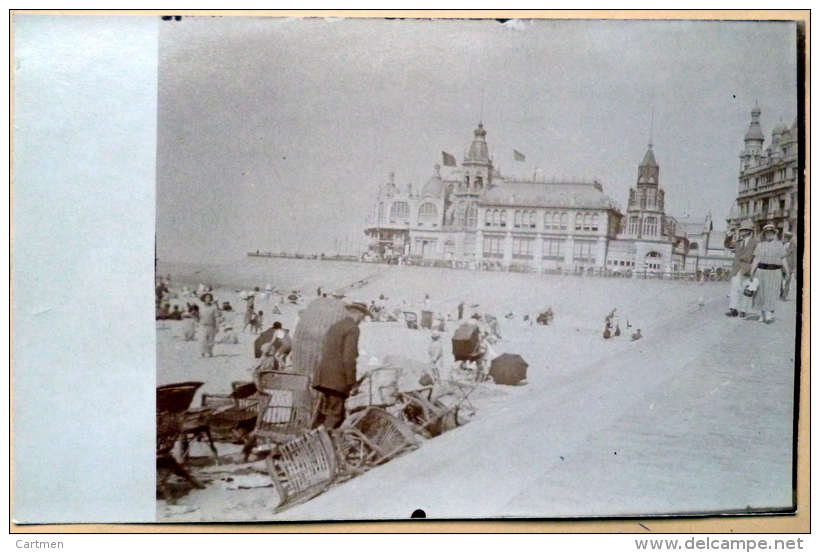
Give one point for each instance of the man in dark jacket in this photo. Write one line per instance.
(335, 377)
(744, 246)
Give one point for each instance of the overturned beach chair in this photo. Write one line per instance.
(302, 468)
(372, 437)
(176, 399)
(233, 416)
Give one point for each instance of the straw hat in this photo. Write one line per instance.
(769, 227)
(206, 295)
(746, 225)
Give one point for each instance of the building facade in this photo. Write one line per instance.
(477, 216)
(768, 178)
(705, 251)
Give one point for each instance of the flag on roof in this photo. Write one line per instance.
(519, 156)
(448, 159)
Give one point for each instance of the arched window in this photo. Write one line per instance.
(467, 181)
(488, 218)
(428, 214)
(693, 246)
(479, 183)
(556, 221)
(564, 221)
(653, 261)
(578, 221)
(547, 220)
(533, 219)
(595, 222)
(503, 217)
(587, 221)
(517, 219)
(496, 218)
(399, 212)
(650, 226)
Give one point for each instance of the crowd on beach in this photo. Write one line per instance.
(761, 275)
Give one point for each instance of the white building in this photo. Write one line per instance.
(478, 217)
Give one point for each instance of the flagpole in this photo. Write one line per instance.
(481, 116)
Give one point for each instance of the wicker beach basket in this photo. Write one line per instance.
(302, 468)
(286, 407)
(309, 335)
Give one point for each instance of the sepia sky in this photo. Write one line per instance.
(275, 134)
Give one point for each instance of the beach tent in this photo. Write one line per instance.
(310, 332)
(509, 369)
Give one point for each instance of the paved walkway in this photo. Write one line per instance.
(695, 418)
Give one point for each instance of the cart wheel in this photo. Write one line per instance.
(352, 452)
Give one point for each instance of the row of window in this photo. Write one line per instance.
(493, 218)
(768, 178)
(765, 205)
(496, 218)
(583, 251)
(400, 213)
(650, 225)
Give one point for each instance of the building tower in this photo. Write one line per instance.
(750, 156)
(646, 219)
(645, 212)
(476, 178)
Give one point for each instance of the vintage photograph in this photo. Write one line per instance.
(476, 269)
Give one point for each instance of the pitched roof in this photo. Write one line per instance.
(576, 194)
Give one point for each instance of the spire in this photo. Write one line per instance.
(478, 149)
(648, 171)
(649, 158)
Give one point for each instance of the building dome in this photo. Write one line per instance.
(434, 186)
(755, 132)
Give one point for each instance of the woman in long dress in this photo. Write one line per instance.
(769, 265)
(249, 313)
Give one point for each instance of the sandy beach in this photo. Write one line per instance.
(581, 390)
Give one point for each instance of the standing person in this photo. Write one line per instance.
(436, 353)
(743, 243)
(249, 312)
(791, 257)
(335, 376)
(188, 327)
(209, 317)
(769, 266)
(460, 311)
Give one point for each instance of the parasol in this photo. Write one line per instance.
(509, 369)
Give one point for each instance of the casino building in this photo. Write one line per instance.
(480, 218)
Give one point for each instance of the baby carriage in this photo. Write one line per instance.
(411, 319)
(468, 349)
